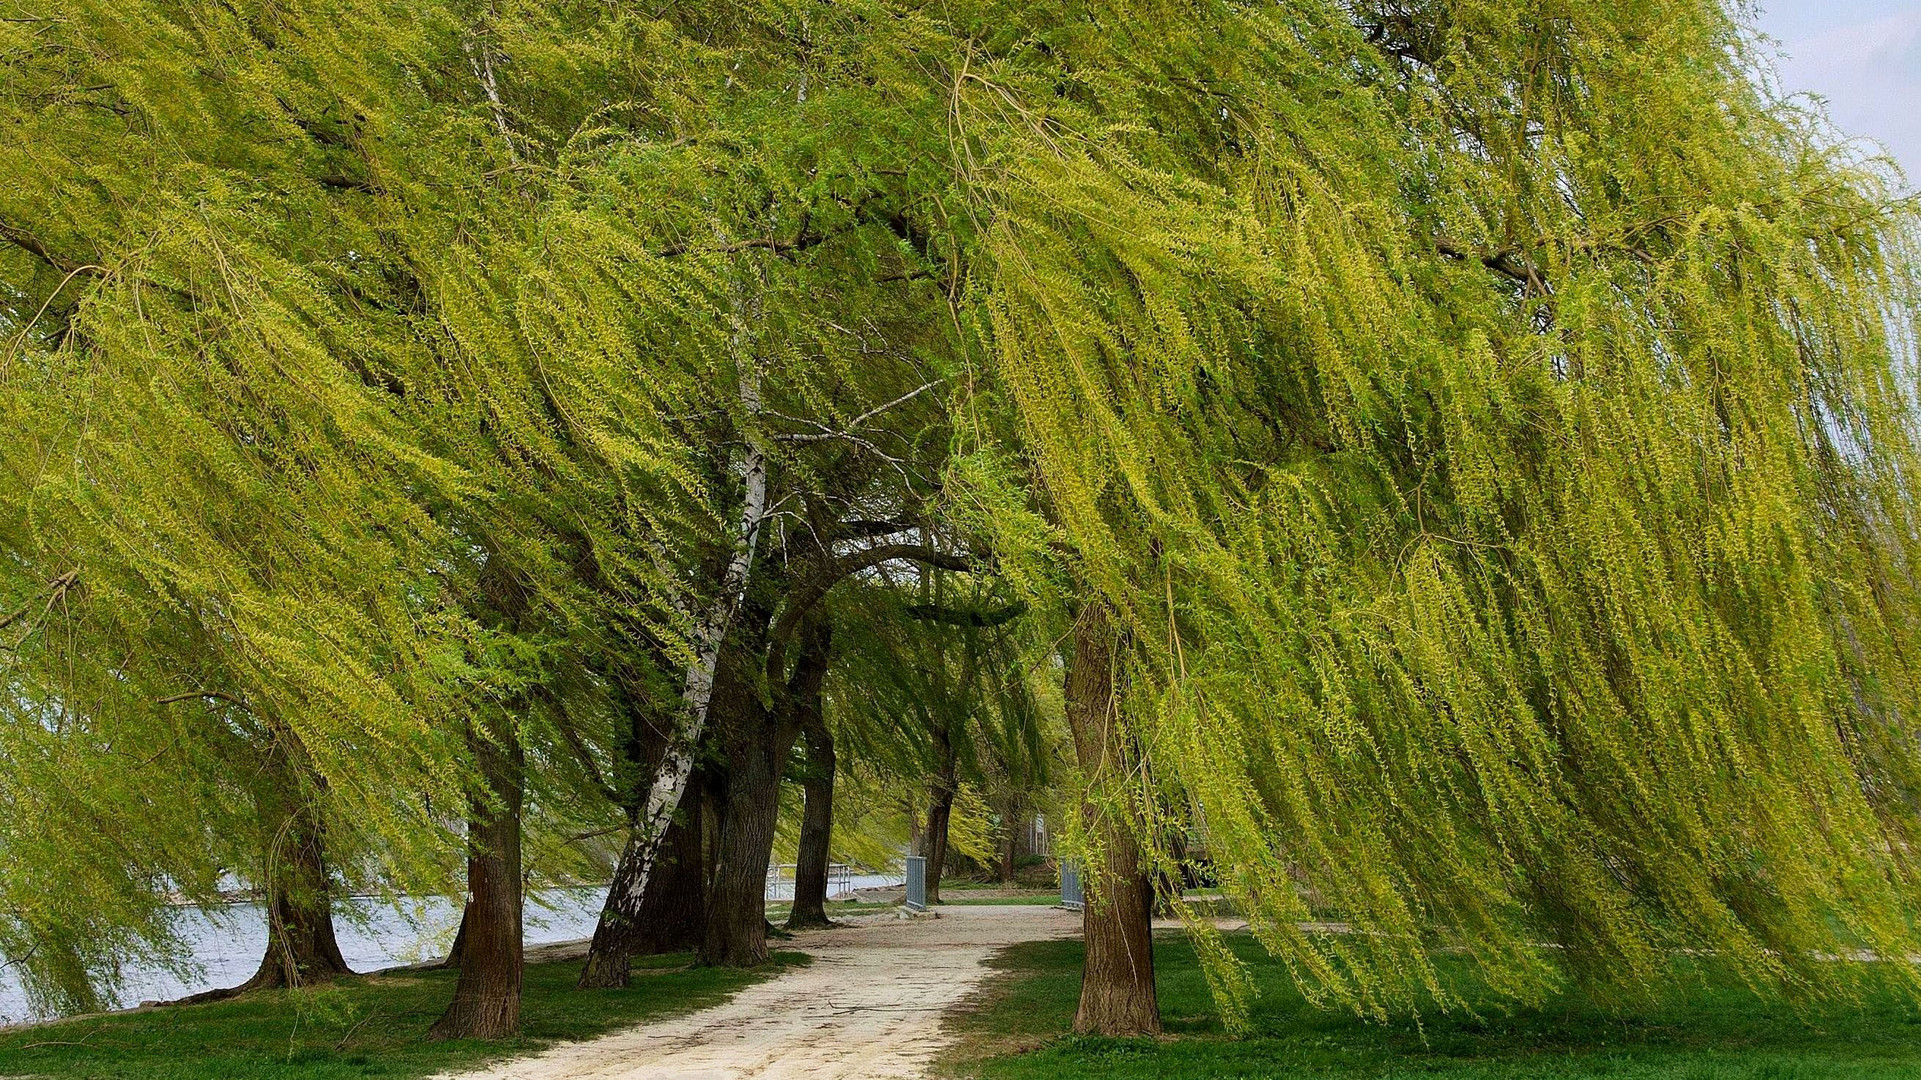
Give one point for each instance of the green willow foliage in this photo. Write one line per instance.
(275, 414)
(1496, 425)
(370, 366)
(1492, 423)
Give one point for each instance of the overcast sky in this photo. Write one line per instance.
(1864, 57)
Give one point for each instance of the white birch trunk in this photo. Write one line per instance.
(710, 630)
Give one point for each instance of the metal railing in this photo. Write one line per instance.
(1072, 897)
(840, 877)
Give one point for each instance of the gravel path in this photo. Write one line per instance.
(868, 1008)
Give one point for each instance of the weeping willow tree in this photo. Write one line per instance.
(1491, 428)
(935, 698)
(1474, 441)
(513, 297)
(301, 539)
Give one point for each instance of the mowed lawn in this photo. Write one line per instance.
(1713, 1032)
(372, 1026)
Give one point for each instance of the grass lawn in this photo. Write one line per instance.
(1707, 1033)
(361, 1027)
(1036, 899)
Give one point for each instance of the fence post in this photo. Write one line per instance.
(917, 883)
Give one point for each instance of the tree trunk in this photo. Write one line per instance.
(1010, 834)
(486, 1002)
(816, 833)
(1117, 978)
(736, 934)
(711, 632)
(757, 741)
(940, 809)
(460, 942)
(670, 915)
(301, 947)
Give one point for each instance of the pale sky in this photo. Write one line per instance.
(1864, 57)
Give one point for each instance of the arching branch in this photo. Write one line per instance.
(832, 571)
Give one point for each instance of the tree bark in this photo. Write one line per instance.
(940, 809)
(757, 741)
(1010, 836)
(1117, 978)
(816, 832)
(486, 1002)
(460, 943)
(711, 630)
(671, 913)
(736, 934)
(301, 947)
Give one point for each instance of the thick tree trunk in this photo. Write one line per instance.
(486, 1002)
(674, 915)
(671, 914)
(460, 942)
(301, 947)
(816, 832)
(737, 914)
(757, 741)
(1117, 979)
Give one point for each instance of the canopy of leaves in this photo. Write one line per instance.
(1496, 425)
(1493, 424)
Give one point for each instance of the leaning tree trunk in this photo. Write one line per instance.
(670, 915)
(486, 1001)
(711, 630)
(1117, 978)
(816, 832)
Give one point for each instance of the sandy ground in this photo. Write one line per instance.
(869, 1007)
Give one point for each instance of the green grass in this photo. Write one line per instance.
(1707, 1033)
(1036, 899)
(373, 1026)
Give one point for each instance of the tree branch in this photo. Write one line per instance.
(816, 587)
(874, 530)
(33, 245)
(194, 695)
(55, 591)
(1503, 261)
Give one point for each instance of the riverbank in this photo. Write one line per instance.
(376, 933)
(369, 1025)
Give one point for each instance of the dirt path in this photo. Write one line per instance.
(869, 1007)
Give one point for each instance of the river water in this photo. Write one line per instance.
(226, 941)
